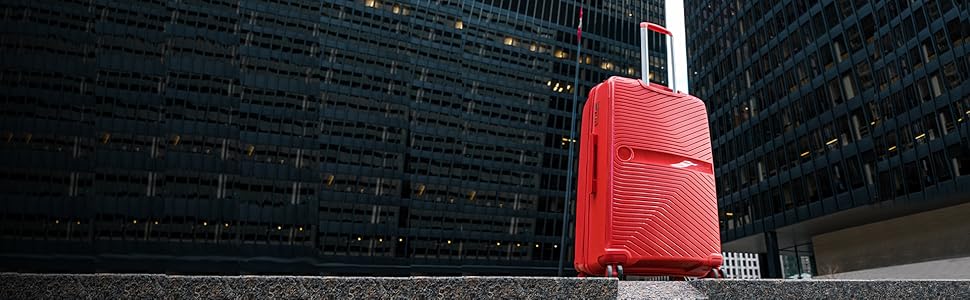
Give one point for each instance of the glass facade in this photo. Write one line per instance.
(823, 106)
(316, 137)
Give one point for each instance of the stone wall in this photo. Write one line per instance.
(932, 235)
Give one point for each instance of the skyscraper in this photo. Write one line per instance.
(836, 124)
(318, 137)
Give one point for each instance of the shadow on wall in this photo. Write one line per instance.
(925, 245)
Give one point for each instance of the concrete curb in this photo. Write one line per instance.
(833, 289)
(143, 286)
(151, 286)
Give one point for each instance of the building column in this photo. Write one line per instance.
(770, 261)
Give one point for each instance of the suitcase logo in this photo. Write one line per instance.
(683, 164)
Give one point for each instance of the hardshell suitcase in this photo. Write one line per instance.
(646, 202)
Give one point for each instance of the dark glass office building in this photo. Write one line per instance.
(297, 136)
(828, 115)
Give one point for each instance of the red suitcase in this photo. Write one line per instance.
(646, 202)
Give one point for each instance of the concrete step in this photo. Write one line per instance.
(157, 286)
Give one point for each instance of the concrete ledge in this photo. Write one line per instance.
(113, 286)
(833, 289)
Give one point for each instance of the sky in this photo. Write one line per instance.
(676, 25)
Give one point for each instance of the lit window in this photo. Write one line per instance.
(561, 54)
(371, 3)
(509, 41)
(396, 9)
(459, 25)
(421, 189)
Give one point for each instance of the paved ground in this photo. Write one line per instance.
(957, 268)
(658, 290)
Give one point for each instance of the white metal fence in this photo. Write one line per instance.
(741, 265)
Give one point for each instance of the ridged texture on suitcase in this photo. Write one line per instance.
(663, 184)
(672, 124)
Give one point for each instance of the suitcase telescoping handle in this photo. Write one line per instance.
(645, 51)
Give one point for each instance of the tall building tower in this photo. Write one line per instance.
(318, 137)
(841, 128)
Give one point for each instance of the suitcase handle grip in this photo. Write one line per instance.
(646, 27)
(656, 28)
(592, 189)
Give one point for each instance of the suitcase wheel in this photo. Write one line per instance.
(618, 274)
(715, 274)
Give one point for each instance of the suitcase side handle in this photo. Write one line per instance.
(646, 27)
(592, 190)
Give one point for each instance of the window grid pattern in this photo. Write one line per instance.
(818, 107)
(396, 137)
